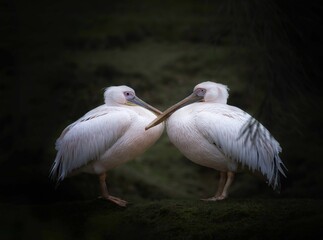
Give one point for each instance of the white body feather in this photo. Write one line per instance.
(104, 138)
(209, 134)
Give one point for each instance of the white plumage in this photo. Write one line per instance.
(106, 137)
(209, 133)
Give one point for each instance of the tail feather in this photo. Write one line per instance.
(277, 171)
(55, 173)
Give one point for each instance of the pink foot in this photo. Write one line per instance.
(115, 200)
(216, 198)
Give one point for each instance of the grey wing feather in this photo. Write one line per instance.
(259, 152)
(87, 139)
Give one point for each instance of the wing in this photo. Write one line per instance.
(96, 112)
(88, 138)
(258, 150)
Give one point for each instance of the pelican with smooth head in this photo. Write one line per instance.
(208, 131)
(106, 137)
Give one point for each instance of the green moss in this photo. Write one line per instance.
(168, 219)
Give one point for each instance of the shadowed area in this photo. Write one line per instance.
(56, 59)
(166, 219)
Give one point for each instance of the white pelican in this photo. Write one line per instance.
(209, 132)
(106, 137)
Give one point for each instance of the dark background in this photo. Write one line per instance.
(57, 58)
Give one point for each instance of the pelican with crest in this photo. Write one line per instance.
(210, 133)
(106, 137)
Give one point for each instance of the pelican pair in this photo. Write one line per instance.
(203, 127)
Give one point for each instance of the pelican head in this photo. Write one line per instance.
(212, 92)
(124, 95)
(203, 92)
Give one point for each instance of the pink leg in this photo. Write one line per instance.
(224, 194)
(105, 194)
(222, 180)
(226, 179)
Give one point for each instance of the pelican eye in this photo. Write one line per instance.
(200, 92)
(129, 95)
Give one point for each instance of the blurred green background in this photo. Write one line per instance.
(56, 60)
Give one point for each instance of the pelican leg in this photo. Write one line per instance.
(222, 181)
(225, 182)
(105, 194)
(230, 178)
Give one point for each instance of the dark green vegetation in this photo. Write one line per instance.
(167, 219)
(56, 59)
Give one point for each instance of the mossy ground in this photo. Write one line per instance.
(165, 219)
